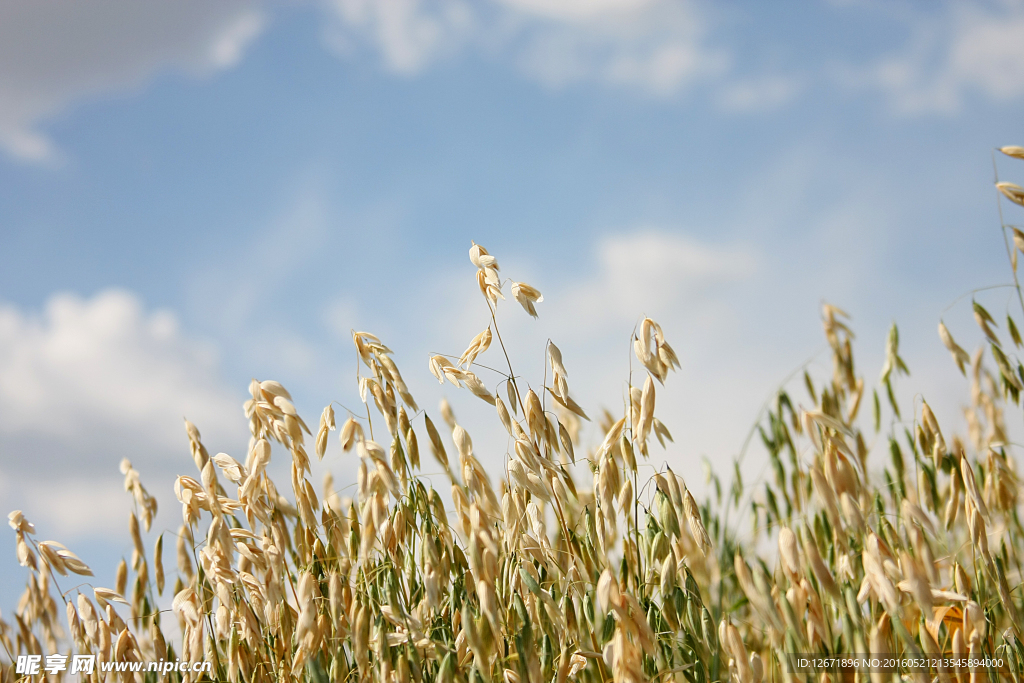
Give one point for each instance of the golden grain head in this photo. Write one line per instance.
(579, 561)
(1013, 151)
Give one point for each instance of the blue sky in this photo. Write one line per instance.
(193, 194)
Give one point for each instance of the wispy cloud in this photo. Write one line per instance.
(963, 49)
(83, 370)
(659, 46)
(55, 53)
(760, 94)
(408, 34)
(86, 382)
(652, 271)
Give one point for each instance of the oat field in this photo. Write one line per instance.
(568, 564)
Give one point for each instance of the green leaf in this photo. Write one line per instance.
(810, 387)
(980, 310)
(667, 514)
(892, 399)
(531, 583)
(1004, 367)
(1014, 333)
(877, 410)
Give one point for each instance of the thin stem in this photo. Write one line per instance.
(50, 571)
(972, 293)
(544, 382)
(350, 412)
(369, 421)
(479, 365)
(1006, 240)
(636, 492)
(511, 372)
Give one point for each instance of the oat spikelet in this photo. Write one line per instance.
(527, 296)
(577, 562)
(700, 534)
(1013, 192)
(959, 355)
(480, 343)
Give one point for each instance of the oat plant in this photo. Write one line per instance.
(570, 565)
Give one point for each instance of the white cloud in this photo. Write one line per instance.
(227, 48)
(760, 94)
(657, 45)
(95, 374)
(654, 272)
(591, 304)
(87, 382)
(410, 34)
(75, 507)
(53, 53)
(968, 48)
(576, 10)
(596, 297)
